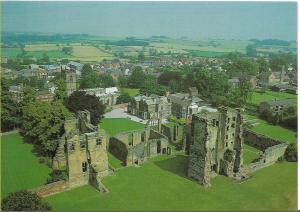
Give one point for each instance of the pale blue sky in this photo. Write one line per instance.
(229, 20)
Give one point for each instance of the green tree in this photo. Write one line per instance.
(137, 78)
(43, 124)
(89, 78)
(24, 201)
(79, 100)
(107, 81)
(61, 90)
(124, 98)
(291, 154)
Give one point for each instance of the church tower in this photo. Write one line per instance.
(71, 81)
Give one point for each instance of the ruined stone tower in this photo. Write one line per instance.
(217, 145)
(83, 150)
(71, 80)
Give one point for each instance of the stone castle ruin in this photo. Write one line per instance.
(83, 150)
(216, 145)
(136, 146)
(272, 149)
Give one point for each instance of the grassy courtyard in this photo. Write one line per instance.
(114, 126)
(250, 154)
(161, 184)
(20, 169)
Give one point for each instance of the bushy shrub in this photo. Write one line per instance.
(291, 154)
(57, 175)
(24, 201)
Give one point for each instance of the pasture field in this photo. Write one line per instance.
(258, 97)
(114, 126)
(10, 52)
(131, 91)
(20, 168)
(161, 184)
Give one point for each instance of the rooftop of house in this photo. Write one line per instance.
(184, 99)
(152, 99)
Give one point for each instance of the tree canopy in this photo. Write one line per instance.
(79, 100)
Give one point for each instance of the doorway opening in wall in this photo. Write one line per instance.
(136, 162)
(164, 150)
(158, 147)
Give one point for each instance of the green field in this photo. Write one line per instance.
(10, 52)
(257, 97)
(114, 126)
(20, 169)
(273, 131)
(131, 91)
(250, 154)
(161, 184)
(276, 132)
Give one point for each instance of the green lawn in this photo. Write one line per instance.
(113, 161)
(20, 169)
(131, 91)
(51, 54)
(276, 132)
(114, 126)
(273, 131)
(161, 184)
(250, 154)
(257, 97)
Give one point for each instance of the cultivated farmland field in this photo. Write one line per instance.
(20, 169)
(161, 184)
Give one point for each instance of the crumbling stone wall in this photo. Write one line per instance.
(136, 146)
(259, 141)
(216, 145)
(83, 149)
(175, 134)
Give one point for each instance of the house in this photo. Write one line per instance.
(108, 96)
(235, 81)
(284, 88)
(45, 96)
(34, 72)
(193, 91)
(183, 105)
(276, 106)
(17, 92)
(77, 67)
(147, 107)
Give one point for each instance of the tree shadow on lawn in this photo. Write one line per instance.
(177, 165)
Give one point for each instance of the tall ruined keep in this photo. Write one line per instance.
(70, 78)
(83, 151)
(216, 145)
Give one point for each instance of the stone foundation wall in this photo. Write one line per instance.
(259, 141)
(52, 188)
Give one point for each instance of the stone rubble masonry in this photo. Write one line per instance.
(216, 145)
(83, 151)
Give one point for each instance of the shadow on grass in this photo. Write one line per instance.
(177, 165)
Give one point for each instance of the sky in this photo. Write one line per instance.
(196, 20)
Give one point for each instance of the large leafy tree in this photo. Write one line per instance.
(24, 201)
(10, 109)
(89, 78)
(43, 124)
(79, 100)
(137, 78)
(61, 90)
